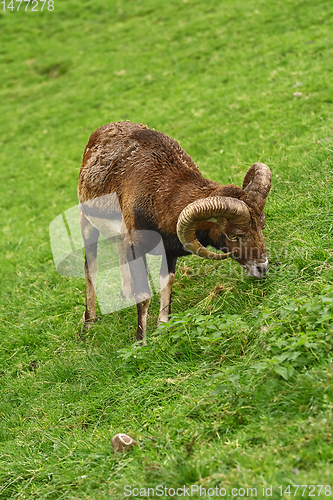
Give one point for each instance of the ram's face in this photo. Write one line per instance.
(247, 246)
(231, 221)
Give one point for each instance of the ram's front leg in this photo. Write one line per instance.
(141, 291)
(142, 309)
(167, 279)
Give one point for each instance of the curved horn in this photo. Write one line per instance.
(257, 183)
(212, 209)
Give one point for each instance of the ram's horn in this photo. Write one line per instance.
(212, 209)
(257, 183)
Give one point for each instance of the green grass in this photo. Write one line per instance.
(237, 391)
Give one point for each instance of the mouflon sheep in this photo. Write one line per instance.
(159, 188)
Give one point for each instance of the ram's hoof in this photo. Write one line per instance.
(87, 325)
(87, 322)
(141, 342)
(122, 443)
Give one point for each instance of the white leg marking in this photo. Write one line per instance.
(166, 289)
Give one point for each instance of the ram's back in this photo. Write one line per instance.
(119, 152)
(146, 169)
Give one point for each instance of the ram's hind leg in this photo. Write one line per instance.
(90, 236)
(125, 273)
(167, 278)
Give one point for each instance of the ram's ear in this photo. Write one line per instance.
(257, 184)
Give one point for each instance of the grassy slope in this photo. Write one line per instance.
(220, 78)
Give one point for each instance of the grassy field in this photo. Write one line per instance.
(238, 391)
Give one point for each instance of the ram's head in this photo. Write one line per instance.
(235, 225)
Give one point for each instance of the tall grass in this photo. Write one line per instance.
(237, 391)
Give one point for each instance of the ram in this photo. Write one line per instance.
(160, 189)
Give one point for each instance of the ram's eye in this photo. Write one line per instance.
(232, 237)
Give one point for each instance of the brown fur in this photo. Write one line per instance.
(154, 179)
(146, 169)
